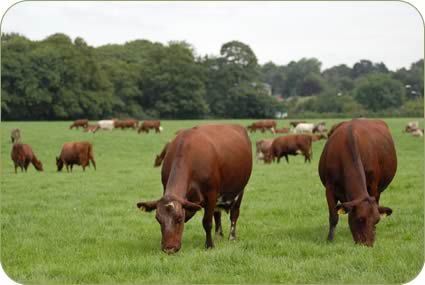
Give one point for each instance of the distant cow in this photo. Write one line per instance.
(262, 148)
(295, 123)
(79, 123)
(126, 124)
(80, 153)
(263, 126)
(150, 124)
(106, 125)
(411, 127)
(160, 157)
(205, 167)
(15, 135)
(282, 131)
(304, 128)
(290, 145)
(357, 163)
(92, 128)
(22, 155)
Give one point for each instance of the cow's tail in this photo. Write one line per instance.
(355, 154)
(91, 156)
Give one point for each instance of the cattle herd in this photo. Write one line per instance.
(209, 166)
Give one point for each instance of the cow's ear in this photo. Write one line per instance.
(147, 206)
(344, 208)
(385, 211)
(191, 206)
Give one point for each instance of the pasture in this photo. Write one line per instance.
(84, 227)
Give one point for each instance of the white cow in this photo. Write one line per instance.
(106, 125)
(304, 128)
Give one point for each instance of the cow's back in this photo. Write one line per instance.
(218, 154)
(72, 151)
(370, 142)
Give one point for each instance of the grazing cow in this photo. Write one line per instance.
(160, 157)
(106, 125)
(92, 128)
(411, 127)
(262, 126)
(22, 155)
(290, 145)
(126, 124)
(15, 135)
(205, 167)
(417, 133)
(295, 123)
(262, 148)
(357, 163)
(318, 137)
(150, 124)
(79, 123)
(304, 128)
(79, 153)
(282, 131)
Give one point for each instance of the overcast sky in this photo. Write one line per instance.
(335, 33)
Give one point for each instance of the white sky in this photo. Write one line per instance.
(335, 33)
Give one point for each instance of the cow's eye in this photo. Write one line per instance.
(179, 220)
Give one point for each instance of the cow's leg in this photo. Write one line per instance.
(26, 165)
(208, 217)
(286, 158)
(16, 168)
(234, 215)
(218, 228)
(67, 167)
(72, 165)
(333, 215)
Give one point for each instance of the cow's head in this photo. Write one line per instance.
(38, 165)
(59, 163)
(171, 215)
(363, 215)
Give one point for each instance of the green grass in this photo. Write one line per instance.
(84, 227)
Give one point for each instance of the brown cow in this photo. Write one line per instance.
(79, 123)
(79, 153)
(160, 157)
(22, 155)
(262, 148)
(150, 124)
(92, 128)
(15, 135)
(126, 124)
(205, 167)
(282, 131)
(357, 163)
(295, 123)
(262, 126)
(290, 145)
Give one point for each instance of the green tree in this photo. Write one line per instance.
(378, 92)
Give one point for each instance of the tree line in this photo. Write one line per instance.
(61, 79)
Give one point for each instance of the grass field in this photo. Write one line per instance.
(84, 227)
